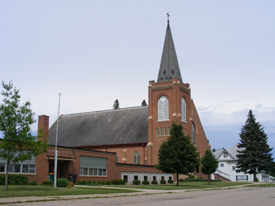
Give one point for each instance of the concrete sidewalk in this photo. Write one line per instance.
(88, 196)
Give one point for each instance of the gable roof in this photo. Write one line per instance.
(109, 127)
(169, 66)
(232, 152)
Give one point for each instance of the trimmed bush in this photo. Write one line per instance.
(108, 182)
(99, 182)
(145, 182)
(70, 185)
(154, 182)
(118, 182)
(12, 183)
(200, 180)
(136, 182)
(61, 182)
(81, 182)
(103, 183)
(181, 180)
(21, 179)
(89, 182)
(191, 177)
(33, 183)
(47, 182)
(163, 182)
(170, 181)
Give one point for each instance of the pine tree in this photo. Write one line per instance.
(143, 103)
(254, 152)
(116, 104)
(177, 154)
(209, 164)
(17, 144)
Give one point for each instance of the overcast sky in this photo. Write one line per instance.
(93, 52)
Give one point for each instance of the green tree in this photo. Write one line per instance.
(116, 104)
(177, 154)
(143, 103)
(209, 164)
(254, 152)
(15, 120)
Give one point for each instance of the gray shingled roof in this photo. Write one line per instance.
(116, 126)
(169, 66)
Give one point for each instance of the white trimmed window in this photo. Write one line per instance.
(163, 108)
(93, 166)
(136, 158)
(183, 110)
(27, 166)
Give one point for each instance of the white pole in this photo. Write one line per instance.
(55, 159)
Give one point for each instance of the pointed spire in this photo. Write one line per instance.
(169, 66)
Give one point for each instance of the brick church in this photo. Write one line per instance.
(124, 143)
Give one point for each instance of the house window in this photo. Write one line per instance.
(193, 133)
(162, 177)
(170, 178)
(27, 166)
(2, 167)
(221, 165)
(92, 166)
(183, 110)
(225, 154)
(145, 178)
(135, 177)
(169, 130)
(125, 178)
(155, 178)
(136, 158)
(164, 130)
(157, 132)
(233, 168)
(161, 131)
(163, 108)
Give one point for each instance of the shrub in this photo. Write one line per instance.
(99, 182)
(20, 183)
(118, 182)
(163, 182)
(47, 182)
(154, 182)
(81, 182)
(21, 179)
(145, 182)
(181, 180)
(170, 181)
(136, 182)
(70, 185)
(191, 177)
(103, 183)
(33, 183)
(199, 178)
(61, 182)
(89, 182)
(108, 182)
(12, 183)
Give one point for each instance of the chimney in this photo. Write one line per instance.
(43, 123)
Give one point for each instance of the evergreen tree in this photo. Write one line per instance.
(17, 144)
(177, 154)
(116, 104)
(143, 103)
(254, 152)
(209, 164)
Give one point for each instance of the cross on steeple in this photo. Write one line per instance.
(168, 15)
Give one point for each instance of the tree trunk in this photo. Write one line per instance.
(209, 179)
(6, 178)
(177, 179)
(254, 176)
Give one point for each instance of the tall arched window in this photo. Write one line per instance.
(163, 108)
(136, 158)
(193, 133)
(183, 110)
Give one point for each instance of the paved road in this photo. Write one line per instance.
(227, 197)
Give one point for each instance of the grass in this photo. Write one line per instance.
(184, 185)
(262, 185)
(33, 190)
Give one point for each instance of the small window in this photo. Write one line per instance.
(136, 158)
(10, 168)
(2, 167)
(17, 168)
(170, 178)
(155, 178)
(145, 178)
(225, 154)
(163, 108)
(135, 177)
(168, 130)
(157, 131)
(233, 168)
(164, 130)
(125, 178)
(222, 165)
(162, 177)
(183, 110)
(160, 131)
(193, 133)
(85, 171)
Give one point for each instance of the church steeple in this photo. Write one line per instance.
(169, 66)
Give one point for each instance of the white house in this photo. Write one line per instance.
(227, 164)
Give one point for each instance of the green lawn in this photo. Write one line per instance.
(262, 185)
(31, 190)
(184, 185)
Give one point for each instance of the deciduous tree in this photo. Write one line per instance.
(209, 164)
(17, 144)
(177, 154)
(143, 103)
(254, 154)
(116, 104)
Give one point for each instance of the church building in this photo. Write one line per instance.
(124, 143)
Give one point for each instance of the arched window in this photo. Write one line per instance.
(136, 158)
(193, 133)
(183, 110)
(163, 108)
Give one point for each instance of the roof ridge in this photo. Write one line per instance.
(109, 110)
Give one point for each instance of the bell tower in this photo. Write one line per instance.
(169, 100)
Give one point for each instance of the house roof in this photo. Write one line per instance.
(169, 66)
(232, 152)
(109, 127)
